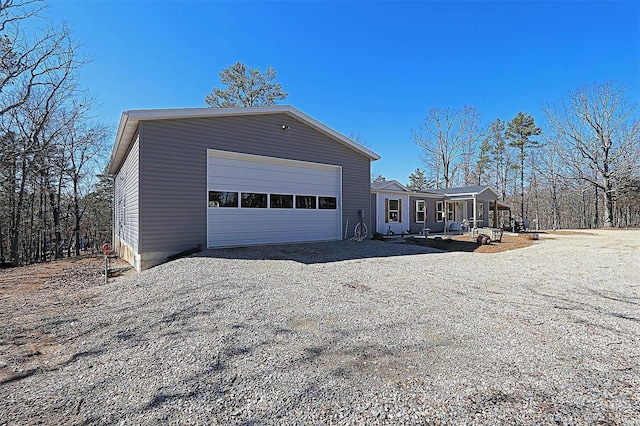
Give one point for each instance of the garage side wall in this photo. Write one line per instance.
(174, 172)
(125, 207)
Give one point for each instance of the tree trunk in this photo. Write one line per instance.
(55, 211)
(596, 206)
(522, 183)
(15, 231)
(76, 206)
(608, 204)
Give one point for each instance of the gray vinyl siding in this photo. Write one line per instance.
(416, 227)
(173, 180)
(126, 218)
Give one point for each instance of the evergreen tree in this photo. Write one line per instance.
(418, 181)
(484, 160)
(519, 132)
(246, 87)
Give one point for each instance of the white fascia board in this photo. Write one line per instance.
(426, 195)
(130, 119)
(464, 195)
(389, 191)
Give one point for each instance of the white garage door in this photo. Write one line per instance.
(263, 200)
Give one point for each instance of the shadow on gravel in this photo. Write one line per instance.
(320, 252)
(14, 377)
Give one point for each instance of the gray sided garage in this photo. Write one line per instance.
(214, 177)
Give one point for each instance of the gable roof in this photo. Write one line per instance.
(130, 119)
(388, 185)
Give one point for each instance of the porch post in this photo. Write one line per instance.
(495, 213)
(445, 208)
(475, 212)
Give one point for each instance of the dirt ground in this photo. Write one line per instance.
(462, 243)
(43, 290)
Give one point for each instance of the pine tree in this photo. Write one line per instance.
(519, 131)
(246, 87)
(418, 181)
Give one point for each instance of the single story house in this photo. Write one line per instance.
(395, 209)
(219, 177)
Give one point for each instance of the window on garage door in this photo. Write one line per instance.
(223, 199)
(305, 202)
(281, 201)
(253, 200)
(327, 203)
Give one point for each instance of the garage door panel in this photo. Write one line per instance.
(245, 232)
(250, 173)
(245, 226)
(284, 187)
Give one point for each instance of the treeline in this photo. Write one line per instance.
(52, 203)
(581, 169)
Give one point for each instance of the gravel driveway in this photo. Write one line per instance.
(349, 333)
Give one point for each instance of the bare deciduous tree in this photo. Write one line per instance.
(600, 125)
(47, 148)
(446, 135)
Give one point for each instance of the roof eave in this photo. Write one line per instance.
(130, 119)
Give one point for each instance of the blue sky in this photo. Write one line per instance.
(373, 68)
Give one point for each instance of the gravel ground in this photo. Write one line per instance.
(344, 333)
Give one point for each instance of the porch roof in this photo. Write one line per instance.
(502, 206)
(465, 191)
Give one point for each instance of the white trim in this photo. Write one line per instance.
(206, 203)
(415, 210)
(389, 191)
(130, 119)
(443, 211)
(340, 220)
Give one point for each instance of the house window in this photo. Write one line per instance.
(439, 211)
(280, 201)
(394, 210)
(481, 211)
(253, 200)
(223, 199)
(305, 202)
(420, 211)
(327, 203)
(450, 211)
